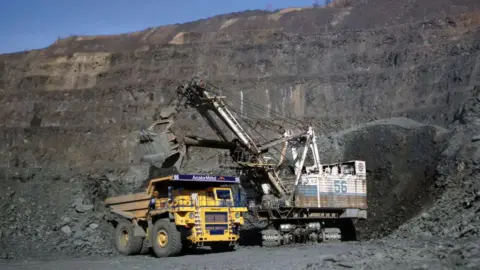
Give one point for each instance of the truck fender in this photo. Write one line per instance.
(137, 230)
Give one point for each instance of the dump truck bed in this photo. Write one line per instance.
(131, 205)
(136, 205)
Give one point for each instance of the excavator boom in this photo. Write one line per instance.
(198, 95)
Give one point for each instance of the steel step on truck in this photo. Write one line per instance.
(286, 184)
(178, 213)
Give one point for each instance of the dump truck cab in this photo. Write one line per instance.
(187, 211)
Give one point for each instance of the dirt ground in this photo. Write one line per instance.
(395, 83)
(425, 254)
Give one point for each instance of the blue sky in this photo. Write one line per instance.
(33, 24)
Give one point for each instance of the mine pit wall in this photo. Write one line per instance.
(68, 147)
(375, 73)
(68, 124)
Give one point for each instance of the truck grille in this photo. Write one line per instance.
(216, 217)
(215, 229)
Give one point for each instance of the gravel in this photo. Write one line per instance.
(424, 180)
(401, 254)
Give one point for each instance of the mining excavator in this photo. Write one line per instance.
(298, 198)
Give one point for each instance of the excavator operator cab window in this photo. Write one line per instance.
(348, 169)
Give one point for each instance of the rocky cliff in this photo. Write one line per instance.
(71, 111)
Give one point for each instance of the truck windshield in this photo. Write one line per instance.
(223, 194)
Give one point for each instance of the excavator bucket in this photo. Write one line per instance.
(167, 112)
(159, 146)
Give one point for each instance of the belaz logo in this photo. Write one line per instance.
(221, 178)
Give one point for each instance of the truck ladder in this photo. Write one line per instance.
(198, 220)
(230, 224)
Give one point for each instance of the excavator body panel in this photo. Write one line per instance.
(334, 188)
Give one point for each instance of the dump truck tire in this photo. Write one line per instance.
(125, 241)
(167, 239)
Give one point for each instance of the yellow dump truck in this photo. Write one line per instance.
(177, 213)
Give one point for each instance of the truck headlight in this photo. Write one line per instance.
(237, 215)
(191, 215)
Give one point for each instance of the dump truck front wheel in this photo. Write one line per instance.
(166, 238)
(125, 241)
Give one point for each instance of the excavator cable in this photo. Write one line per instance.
(265, 123)
(256, 131)
(258, 107)
(252, 106)
(287, 119)
(256, 120)
(252, 128)
(266, 111)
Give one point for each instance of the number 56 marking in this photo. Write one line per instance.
(340, 186)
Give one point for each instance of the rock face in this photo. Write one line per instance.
(456, 213)
(51, 212)
(401, 157)
(71, 112)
